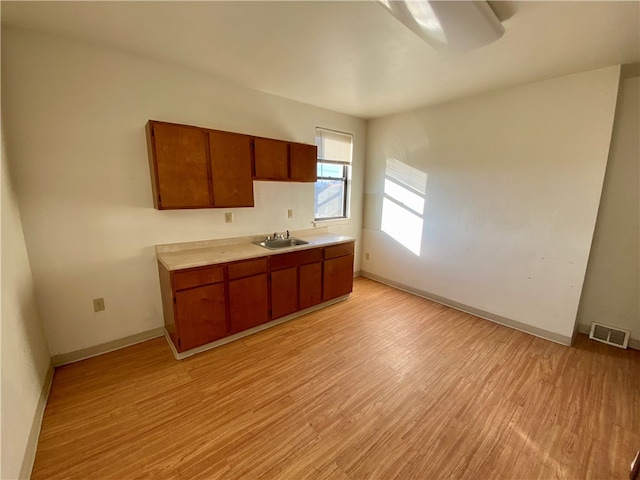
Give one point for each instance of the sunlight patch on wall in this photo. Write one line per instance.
(403, 204)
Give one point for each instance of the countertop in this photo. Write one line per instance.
(178, 256)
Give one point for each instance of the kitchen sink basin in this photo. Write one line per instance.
(278, 243)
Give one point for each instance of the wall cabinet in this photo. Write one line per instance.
(303, 162)
(231, 176)
(205, 304)
(193, 167)
(179, 166)
(284, 161)
(271, 159)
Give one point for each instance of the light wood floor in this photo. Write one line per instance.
(385, 385)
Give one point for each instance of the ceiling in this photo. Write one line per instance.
(350, 57)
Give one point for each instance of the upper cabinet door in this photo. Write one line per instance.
(231, 169)
(271, 159)
(303, 161)
(178, 158)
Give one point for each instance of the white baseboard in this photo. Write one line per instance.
(523, 327)
(85, 353)
(34, 433)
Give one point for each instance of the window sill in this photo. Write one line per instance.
(333, 221)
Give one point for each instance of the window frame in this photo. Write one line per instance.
(345, 179)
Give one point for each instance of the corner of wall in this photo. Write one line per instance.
(611, 292)
(34, 433)
(26, 362)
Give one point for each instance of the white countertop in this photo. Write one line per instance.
(210, 252)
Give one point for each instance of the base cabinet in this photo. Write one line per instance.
(284, 292)
(337, 271)
(248, 302)
(311, 284)
(194, 305)
(200, 316)
(296, 281)
(335, 283)
(204, 304)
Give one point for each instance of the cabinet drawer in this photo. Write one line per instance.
(294, 259)
(196, 278)
(245, 269)
(339, 250)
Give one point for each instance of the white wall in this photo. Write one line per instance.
(25, 356)
(513, 182)
(612, 284)
(75, 119)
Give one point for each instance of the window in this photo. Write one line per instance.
(334, 170)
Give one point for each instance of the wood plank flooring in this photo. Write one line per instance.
(384, 385)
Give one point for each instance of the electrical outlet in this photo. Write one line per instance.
(228, 217)
(290, 213)
(98, 304)
(366, 256)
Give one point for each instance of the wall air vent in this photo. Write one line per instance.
(609, 335)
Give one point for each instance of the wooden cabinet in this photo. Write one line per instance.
(179, 166)
(284, 161)
(296, 281)
(303, 162)
(194, 167)
(194, 306)
(271, 159)
(197, 277)
(231, 177)
(337, 271)
(284, 292)
(248, 294)
(310, 281)
(204, 304)
(200, 315)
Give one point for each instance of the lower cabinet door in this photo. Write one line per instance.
(338, 277)
(248, 302)
(201, 316)
(284, 292)
(310, 285)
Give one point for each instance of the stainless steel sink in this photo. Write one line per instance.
(278, 243)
